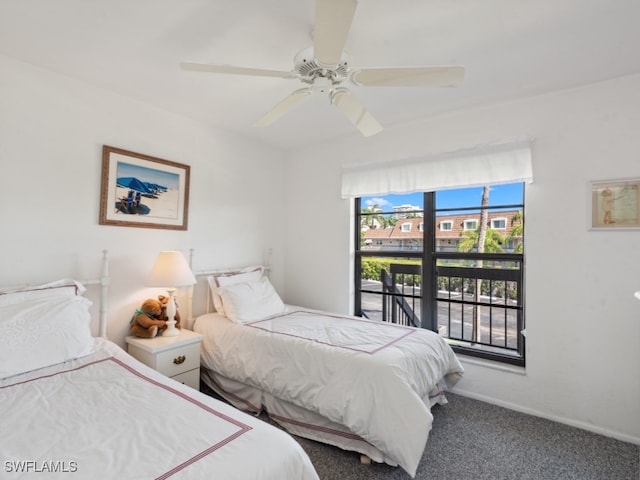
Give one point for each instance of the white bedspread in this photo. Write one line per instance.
(108, 416)
(373, 377)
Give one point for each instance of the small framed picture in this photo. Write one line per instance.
(614, 204)
(142, 191)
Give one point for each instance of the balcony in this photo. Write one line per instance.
(478, 303)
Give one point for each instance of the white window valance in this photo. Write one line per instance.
(493, 164)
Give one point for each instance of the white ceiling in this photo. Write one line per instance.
(510, 49)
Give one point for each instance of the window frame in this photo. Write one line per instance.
(429, 257)
(498, 219)
(467, 228)
(449, 223)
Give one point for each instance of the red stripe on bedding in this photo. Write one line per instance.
(183, 395)
(242, 428)
(408, 330)
(310, 426)
(201, 455)
(56, 373)
(436, 395)
(42, 289)
(251, 407)
(299, 423)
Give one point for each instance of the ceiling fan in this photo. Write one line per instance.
(324, 67)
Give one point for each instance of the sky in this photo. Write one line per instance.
(464, 197)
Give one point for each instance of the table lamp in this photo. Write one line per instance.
(170, 271)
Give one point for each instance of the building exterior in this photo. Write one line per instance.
(407, 233)
(403, 211)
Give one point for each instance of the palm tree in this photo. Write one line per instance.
(517, 230)
(389, 222)
(371, 216)
(484, 240)
(493, 242)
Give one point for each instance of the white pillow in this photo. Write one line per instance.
(249, 274)
(38, 332)
(59, 288)
(251, 301)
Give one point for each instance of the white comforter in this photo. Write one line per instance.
(372, 377)
(108, 416)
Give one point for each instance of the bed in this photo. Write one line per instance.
(358, 384)
(74, 403)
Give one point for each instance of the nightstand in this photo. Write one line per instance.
(176, 357)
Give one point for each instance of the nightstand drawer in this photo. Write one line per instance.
(176, 357)
(178, 360)
(190, 378)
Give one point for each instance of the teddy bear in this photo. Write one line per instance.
(146, 321)
(163, 316)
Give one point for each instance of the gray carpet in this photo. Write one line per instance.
(475, 440)
(478, 441)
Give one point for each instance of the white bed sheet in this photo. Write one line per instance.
(108, 416)
(373, 378)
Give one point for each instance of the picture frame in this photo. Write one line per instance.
(139, 190)
(614, 204)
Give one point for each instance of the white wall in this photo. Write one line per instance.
(52, 129)
(583, 324)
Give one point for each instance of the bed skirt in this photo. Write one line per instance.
(300, 421)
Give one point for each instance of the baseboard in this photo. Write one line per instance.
(566, 421)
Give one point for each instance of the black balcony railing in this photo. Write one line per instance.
(402, 283)
(480, 306)
(479, 303)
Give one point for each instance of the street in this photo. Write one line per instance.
(450, 317)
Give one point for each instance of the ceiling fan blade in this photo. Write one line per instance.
(283, 107)
(355, 112)
(332, 23)
(409, 76)
(229, 69)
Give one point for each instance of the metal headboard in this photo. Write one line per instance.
(104, 282)
(206, 273)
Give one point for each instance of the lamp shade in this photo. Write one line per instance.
(170, 270)
(637, 294)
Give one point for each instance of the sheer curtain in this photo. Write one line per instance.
(491, 164)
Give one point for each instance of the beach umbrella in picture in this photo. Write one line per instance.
(132, 183)
(155, 188)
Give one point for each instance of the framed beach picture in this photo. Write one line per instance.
(614, 204)
(142, 191)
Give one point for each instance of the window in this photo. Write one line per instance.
(406, 227)
(470, 224)
(499, 223)
(443, 277)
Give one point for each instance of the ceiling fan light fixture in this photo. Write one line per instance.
(322, 85)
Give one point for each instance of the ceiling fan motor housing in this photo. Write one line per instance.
(310, 70)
